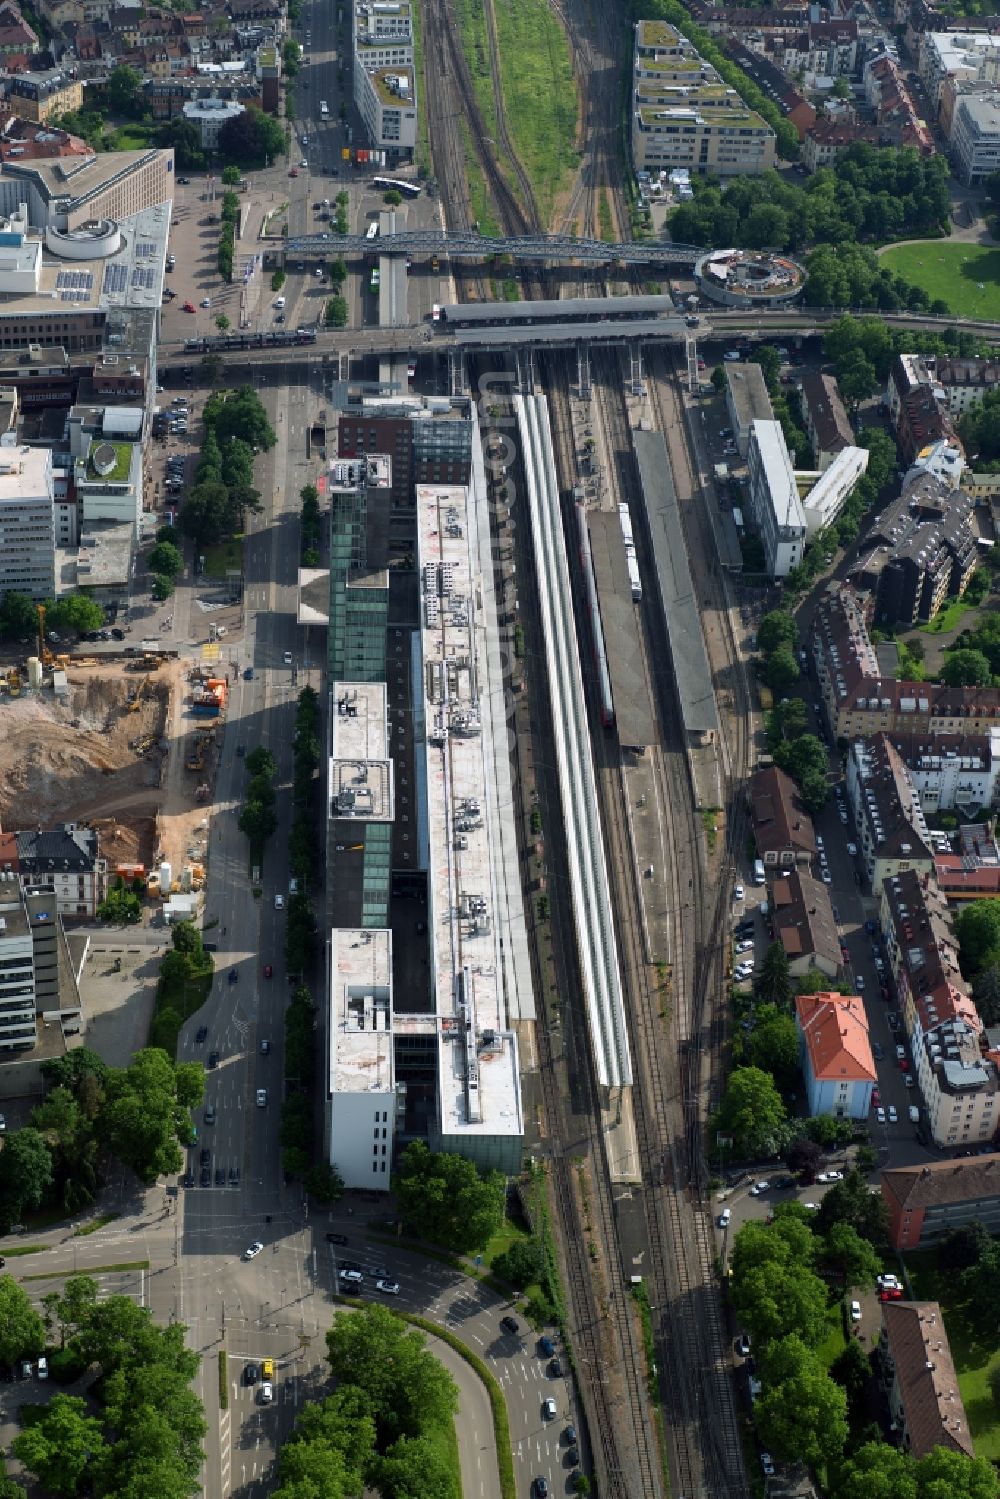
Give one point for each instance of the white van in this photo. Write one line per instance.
(324, 109)
(758, 872)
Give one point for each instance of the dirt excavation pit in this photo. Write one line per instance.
(86, 756)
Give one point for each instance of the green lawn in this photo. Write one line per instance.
(974, 1350)
(947, 618)
(221, 557)
(967, 277)
(133, 137)
(834, 1342)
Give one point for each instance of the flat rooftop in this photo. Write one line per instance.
(479, 1085)
(361, 1046)
(130, 278)
(360, 778)
(678, 596)
(629, 689)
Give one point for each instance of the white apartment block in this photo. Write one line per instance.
(774, 499)
(952, 773)
(685, 116)
(975, 137)
(971, 57)
(27, 522)
(833, 488)
(384, 77)
(17, 972)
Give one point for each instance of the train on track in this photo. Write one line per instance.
(598, 647)
(223, 343)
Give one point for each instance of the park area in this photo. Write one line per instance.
(967, 277)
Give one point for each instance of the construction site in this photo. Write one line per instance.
(111, 743)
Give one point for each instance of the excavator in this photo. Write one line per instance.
(44, 654)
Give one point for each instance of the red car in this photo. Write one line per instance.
(876, 1098)
(268, 971)
(891, 1293)
(904, 1065)
(190, 307)
(294, 172)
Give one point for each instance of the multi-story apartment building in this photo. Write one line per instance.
(920, 1380)
(861, 699)
(27, 522)
(685, 116)
(975, 137)
(64, 860)
(384, 77)
(953, 772)
(36, 96)
(892, 832)
(926, 1202)
(922, 551)
(823, 416)
(965, 56)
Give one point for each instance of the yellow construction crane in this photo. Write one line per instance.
(44, 654)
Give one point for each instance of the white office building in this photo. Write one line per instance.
(361, 1095)
(774, 499)
(27, 522)
(384, 77)
(975, 137)
(210, 115)
(833, 488)
(17, 971)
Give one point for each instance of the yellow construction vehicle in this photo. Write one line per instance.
(136, 702)
(44, 654)
(14, 682)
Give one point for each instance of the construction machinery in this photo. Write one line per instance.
(44, 654)
(201, 792)
(14, 682)
(196, 755)
(136, 702)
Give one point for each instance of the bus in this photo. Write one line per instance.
(324, 110)
(397, 184)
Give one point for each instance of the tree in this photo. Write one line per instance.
(222, 322)
(855, 1258)
(520, 1264)
(852, 1371)
(75, 612)
(58, 1446)
(775, 1300)
(857, 378)
(408, 1390)
(787, 721)
(120, 905)
(336, 313)
(718, 378)
(877, 1471)
(251, 139)
(414, 1468)
(773, 983)
(25, 1173)
(978, 928)
(138, 1116)
(963, 1246)
(8, 1488)
(207, 513)
(944, 1474)
(815, 791)
(444, 1198)
(850, 1201)
(752, 1112)
(773, 1046)
(257, 821)
(975, 1280)
(803, 1416)
(161, 587)
(782, 670)
(324, 1182)
(966, 669)
(22, 1331)
(775, 630)
(17, 616)
(231, 176)
(261, 762)
(122, 89)
(803, 1157)
(240, 414)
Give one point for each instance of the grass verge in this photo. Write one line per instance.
(967, 277)
(423, 151)
(498, 1405)
(16, 1249)
(223, 556)
(177, 998)
(91, 1228)
(539, 92)
(641, 1296)
(974, 1351)
(223, 1380)
(91, 1270)
(947, 619)
(710, 822)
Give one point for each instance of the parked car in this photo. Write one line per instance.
(855, 1311)
(725, 1217)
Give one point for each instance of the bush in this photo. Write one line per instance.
(65, 1365)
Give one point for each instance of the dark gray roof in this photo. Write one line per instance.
(689, 657)
(55, 849)
(633, 710)
(580, 307)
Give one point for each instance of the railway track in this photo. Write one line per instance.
(530, 205)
